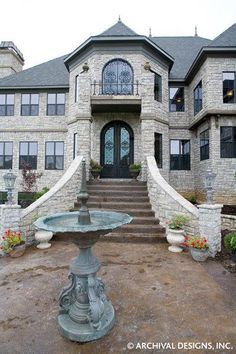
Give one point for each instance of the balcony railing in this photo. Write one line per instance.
(112, 89)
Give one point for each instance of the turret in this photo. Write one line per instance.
(11, 59)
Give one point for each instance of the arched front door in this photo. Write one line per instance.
(117, 150)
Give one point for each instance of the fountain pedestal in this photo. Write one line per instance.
(85, 313)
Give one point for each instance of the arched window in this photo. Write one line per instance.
(117, 78)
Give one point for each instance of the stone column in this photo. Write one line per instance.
(210, 226)
(9, 218)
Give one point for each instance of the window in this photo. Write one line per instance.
(158, 149)
(76, 88)
(56, 104)
(180, 155)
(54, 159)
(7, 104)
(75, 145)
(117, 78)
(6, 152)
(229, 87)
(28, 154)
(157, 87)
(29, 104)
(204, 145)
(228, 142)
(176, 95)
(198, 98)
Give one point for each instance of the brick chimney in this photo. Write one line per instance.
(11, 59)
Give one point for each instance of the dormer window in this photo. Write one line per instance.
(117, 78)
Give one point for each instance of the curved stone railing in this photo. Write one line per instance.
(59, 198)
(166, 201)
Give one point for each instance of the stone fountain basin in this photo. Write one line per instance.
(66, 226)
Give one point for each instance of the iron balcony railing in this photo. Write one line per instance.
(100, 88)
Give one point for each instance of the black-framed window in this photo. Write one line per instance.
(6, 153)
(76, 88)
(7, 104)
(228, 142)
(28, 154)
(75, 145)
(157, 87)
(158, 149)
(29, 104)
(56, 104)
(229, 87)
(204, 145)
(54, 155)
(117, 78)
(180, 154)
(198, 98)
(176, 99)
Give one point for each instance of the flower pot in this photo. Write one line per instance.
(134, 173)
(199, 255)
(17, 251)
(175, 238)
(95, 173)
(43, 237)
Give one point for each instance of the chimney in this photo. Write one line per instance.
(11, 59)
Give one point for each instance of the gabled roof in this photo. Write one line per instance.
(50, 74)
(119, 29)
(226, 38)
(183, 50)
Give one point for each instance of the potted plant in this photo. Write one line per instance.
(230, 244)
(198, 247)
(175, 232)
(95, 169)
(134, 170)
(13, 244)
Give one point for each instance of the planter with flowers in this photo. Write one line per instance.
(230, 244)
(95, 169)
(13, 244)
(198, 247)
(175, 232)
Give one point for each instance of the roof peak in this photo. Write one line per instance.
(226, 39)
(118, 29)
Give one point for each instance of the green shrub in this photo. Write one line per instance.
(94, 165)
(230, 242)
(40, 193)
(135, 167)
(178, 221)
(192, 199)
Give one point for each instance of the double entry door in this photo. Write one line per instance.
(117, 149)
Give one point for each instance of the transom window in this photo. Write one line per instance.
(29, 104)
(176, 95)
(229, 87)
(54, 157)
(56, 104)
(7, 104)
(6, 152)
(204, 145)
(28, 154)
(180, 155)
(117, 78)
(198, 98)
(228, 142)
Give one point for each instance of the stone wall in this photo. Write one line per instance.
(166, 202)
(59, 198)
(228, 222)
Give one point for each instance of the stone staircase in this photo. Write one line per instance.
(131, 197)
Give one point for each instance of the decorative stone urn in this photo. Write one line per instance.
(43, 236)
(175, 238)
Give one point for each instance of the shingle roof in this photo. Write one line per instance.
(183, 50)
(226, 38)
(50, 74)
(119, 29)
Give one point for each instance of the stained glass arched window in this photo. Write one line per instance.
(117, 78)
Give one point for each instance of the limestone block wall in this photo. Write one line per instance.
(59, 198)
(10, 63)
(166, 202)
(228, 222)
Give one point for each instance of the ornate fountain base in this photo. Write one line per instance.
(85, 313)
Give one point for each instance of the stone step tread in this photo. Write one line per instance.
(120, 193)
(111, 198)
(133, 238)
(118, 205)
(117, 188)
(131, 212)
(108, 182)
(144, 229)
(145, 220)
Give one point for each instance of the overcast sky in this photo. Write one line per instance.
(46, 29)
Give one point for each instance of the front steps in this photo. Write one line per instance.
(131, 197)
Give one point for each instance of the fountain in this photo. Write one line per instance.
(85, 314)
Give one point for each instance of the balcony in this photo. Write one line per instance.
(115, 97)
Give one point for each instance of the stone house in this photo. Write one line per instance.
(120, 97)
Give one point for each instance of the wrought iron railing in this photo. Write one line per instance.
(99, 88)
